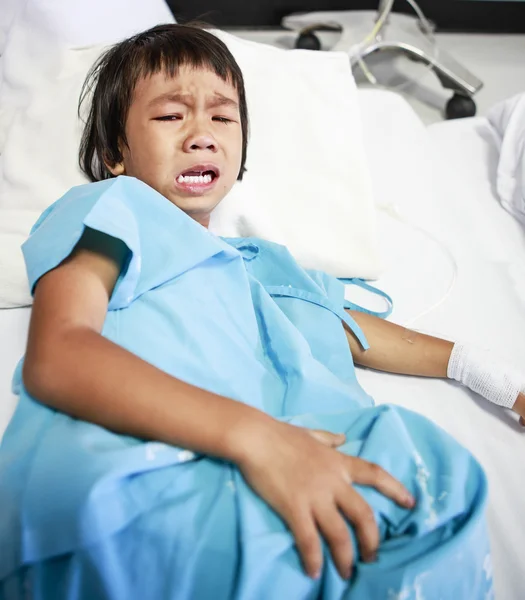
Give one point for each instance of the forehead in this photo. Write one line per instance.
(187, 80)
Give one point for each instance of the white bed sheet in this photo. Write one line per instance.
(485, 306)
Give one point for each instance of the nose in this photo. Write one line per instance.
(200, 141)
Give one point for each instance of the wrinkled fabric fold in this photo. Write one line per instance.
(88, 513)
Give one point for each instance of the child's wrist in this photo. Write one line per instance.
(248, 432)
(482, 372)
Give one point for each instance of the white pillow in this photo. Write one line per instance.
(508, 119)
(8, 10)
(14, 287)
(77, 23)
(307, 185)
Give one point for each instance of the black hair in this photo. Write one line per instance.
(113, 78)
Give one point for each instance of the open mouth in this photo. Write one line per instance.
(198, 175)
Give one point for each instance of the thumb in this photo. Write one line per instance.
(332, 440)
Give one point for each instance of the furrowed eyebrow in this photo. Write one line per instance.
(216, 101)
(220, 100)
(172, 97)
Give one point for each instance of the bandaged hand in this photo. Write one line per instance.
(485, 374)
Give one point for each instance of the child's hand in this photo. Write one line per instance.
(519, 407)
(332, 440)
(300, 474)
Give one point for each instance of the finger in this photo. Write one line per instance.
(335, 531)
(304, 530)
(333, 440)
(519, 407)
(359, 512)
(367, 473)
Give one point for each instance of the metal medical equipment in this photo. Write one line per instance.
(362, 36)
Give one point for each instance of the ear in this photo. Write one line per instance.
(116, 169)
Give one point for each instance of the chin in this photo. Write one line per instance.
(195, 205)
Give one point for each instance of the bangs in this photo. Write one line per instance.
(168, 55)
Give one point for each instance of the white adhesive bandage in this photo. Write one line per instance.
(483, 373)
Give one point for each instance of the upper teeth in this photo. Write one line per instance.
(194, 178)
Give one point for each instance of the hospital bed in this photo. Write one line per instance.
(484, 303)
(455, 267)
(456, 251)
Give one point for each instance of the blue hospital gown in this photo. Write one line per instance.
(88, 514)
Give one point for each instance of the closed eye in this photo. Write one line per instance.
(168, 118)
(222, 119)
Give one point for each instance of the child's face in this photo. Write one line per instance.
(184, 139)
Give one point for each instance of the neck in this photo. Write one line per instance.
(203, 220)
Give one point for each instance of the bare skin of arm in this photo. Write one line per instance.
(71, 367)
(395, 349)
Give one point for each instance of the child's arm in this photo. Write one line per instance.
(395, 349)
(72, 368)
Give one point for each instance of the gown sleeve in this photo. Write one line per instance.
(101, 207)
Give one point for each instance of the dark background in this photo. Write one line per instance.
(449, 15)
